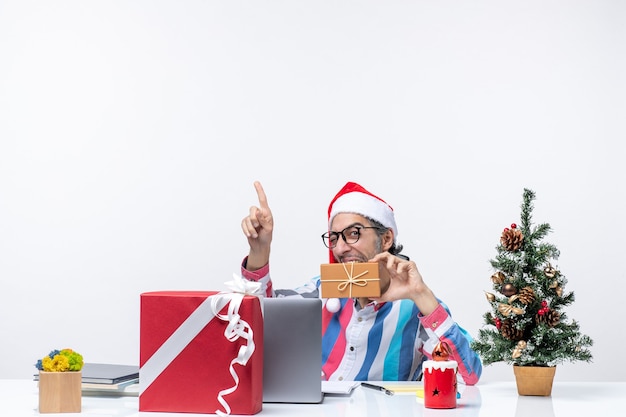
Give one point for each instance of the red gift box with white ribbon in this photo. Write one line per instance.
(201, 352)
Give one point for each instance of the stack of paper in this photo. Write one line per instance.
(111, 379)
(339, 387)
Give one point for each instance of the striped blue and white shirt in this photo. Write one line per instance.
(381, 342)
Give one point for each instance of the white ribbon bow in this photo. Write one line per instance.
(244, 286)
(236, 328)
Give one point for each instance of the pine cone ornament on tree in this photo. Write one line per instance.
(509, 331)
(511, 239)
(526, 295)
(547, 316)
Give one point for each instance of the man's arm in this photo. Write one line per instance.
(446, 330)
(258, 228)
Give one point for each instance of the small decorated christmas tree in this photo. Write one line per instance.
(527, 325)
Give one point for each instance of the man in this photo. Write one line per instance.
(381, 339)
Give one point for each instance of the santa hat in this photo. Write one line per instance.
(353, 198)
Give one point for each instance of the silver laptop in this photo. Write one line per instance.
(292, 350)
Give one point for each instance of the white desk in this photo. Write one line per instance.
(19, 398)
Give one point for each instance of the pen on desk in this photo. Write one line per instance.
(377, 388)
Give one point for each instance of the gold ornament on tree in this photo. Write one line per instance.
(498, 278)
(549, 271)
(507, 310)
(517, 352)
(508, 289)
(515, 310)
(554, 285)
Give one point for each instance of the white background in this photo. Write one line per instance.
(131, 133)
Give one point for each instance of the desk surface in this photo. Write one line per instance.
(19, 398)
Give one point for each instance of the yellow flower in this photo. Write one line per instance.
(59, 363)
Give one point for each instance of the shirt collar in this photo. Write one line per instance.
(375, 304)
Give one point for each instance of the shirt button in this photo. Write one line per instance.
(359, 319)
(351, 348)
(340, 378)
(434, 325)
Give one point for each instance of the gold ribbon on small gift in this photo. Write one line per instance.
(352, 280)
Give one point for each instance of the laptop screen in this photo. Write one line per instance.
(292, 348)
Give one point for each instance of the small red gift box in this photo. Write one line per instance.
(186, 360)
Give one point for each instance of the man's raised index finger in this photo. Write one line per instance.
(261, 194)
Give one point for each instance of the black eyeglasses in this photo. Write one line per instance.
(350, 235)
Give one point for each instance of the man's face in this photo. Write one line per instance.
(364, 249)
(368, 245)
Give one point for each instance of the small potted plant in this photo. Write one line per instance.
(527, 325)
(60, 381)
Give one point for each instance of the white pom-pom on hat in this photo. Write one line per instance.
(333, 305)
